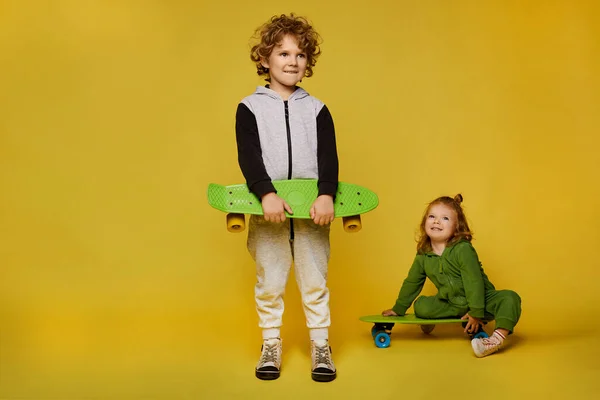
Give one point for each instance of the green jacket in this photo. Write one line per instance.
(457, 274)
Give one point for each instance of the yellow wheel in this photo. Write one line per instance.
(352, 224)
(236, 223)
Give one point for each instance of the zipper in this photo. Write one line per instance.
(452, 292)
(289, 138)
(289, 147)
(448, 279)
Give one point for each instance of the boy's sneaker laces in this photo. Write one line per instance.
(323, 369)
(269, 364)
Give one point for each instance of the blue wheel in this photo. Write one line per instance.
(382, 340)
(374, 331)
(480, 335)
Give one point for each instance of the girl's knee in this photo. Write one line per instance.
(510, 300)
(423, 307)
(512, 296)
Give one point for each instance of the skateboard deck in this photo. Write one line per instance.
(236, 200)
(382, 327)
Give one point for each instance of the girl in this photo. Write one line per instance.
(445, 256)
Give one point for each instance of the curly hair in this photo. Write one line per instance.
(271, 34)
(462, 232)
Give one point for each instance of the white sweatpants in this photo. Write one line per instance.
(269, 244)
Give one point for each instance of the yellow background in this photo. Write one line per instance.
(118, 281)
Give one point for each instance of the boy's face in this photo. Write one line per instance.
(440, 223)
(287, 66)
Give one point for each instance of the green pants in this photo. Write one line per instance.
(504, 306)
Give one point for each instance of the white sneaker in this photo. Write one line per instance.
(486, 346)
(269, 365)
(323, 369)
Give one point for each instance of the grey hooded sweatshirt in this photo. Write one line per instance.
(289, 139)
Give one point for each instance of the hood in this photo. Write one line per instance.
(448, 248)
(298, 94)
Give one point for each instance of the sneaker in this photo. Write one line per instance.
(486, 346)
(323, 369)
(270, 360)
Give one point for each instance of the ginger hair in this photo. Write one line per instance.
(462, 232)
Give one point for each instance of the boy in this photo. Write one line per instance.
(284, 133)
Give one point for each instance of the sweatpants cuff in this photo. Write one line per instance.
(319, 333)
(504, 323)
(270, 333)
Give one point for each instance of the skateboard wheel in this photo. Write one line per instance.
(382, 340)
(374, 331)
(480, 335)
(352, 224)
(236, 223)
(427, 328)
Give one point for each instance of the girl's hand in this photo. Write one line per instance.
(273, 207)
(388, 313)
(472, 323)
(321, 211)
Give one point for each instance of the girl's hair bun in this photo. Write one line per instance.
(458, 198)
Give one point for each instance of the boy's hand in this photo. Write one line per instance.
(321, 211)
(472, 323)
(388, 313)
(273, 207)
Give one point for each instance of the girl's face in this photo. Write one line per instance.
(440, 223)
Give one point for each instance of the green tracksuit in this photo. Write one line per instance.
(462, 287)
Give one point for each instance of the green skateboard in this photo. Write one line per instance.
(382, 329)
(236, 200)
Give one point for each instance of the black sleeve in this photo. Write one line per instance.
(250, 153)
(326, 153)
